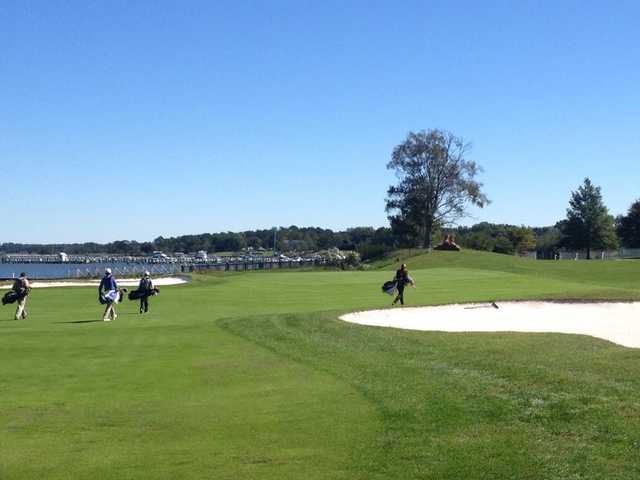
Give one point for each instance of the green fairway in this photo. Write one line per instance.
(251, 376)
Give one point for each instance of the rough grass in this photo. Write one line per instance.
(251, 376)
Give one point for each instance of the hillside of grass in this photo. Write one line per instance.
(620, 275)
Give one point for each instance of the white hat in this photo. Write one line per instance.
(146, 273)
(108, 271)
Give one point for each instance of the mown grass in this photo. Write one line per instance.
(476, 406)
(617, 274)
(252, 376)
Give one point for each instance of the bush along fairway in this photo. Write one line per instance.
(252, 376)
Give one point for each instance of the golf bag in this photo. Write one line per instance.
(112, 296)
(138, 294)
(10, 297)
(390, 287)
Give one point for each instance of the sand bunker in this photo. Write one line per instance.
(616, 322)
(126, 282)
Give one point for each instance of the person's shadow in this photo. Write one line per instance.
(82, 321)
(94, 320)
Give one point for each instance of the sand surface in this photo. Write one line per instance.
(126, 282)
(616, 322)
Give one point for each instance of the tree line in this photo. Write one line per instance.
(588, 226)
(436, 185)
(287, 239)
(373, 242)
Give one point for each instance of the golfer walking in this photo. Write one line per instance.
(21, 287)
(402, 280)
(146, 288)
(108, 290)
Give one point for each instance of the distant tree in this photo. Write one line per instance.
(522, 238)
(230, 242)
(120, 246)
(436, 183)
(361, 234)
(254, 241)
(383, 236)
(628, 226)
(404, 230)
(146, 248)
(504, 245)
(371, 251)
(588, 224)
(478, 241)
(548, 240)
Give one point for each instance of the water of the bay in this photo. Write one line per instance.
(83, 270)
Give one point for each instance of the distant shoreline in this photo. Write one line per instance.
(124, 282)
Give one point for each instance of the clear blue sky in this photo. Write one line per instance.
(123, 119)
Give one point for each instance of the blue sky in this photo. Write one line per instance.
(138, 119)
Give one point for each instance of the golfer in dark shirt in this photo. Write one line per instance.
(146, 286)
(402, 280)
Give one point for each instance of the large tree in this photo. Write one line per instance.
(629, 226)
(588, 224)
(436, 183)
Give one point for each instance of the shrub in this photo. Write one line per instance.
(504, 245)
(479, 241)
(372, 251)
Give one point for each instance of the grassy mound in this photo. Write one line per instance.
(252, 376)
(606, 280)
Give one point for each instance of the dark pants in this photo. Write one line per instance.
(400, 295)
(144, 304)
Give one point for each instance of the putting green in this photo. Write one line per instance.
(252, 376)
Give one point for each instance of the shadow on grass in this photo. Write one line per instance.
(82, 321)
(100, 320)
